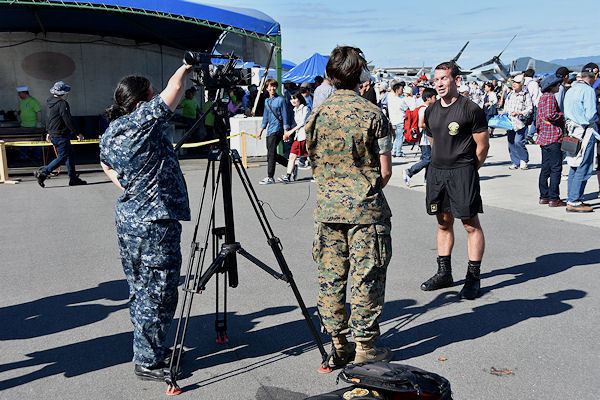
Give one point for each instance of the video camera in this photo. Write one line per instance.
(212, 76)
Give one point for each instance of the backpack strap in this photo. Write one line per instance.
(273, 112)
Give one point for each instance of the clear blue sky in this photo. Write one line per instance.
(410, 33)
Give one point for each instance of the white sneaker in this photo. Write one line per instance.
(513, 166)
(266, 181)
(284, 179)
(523, 165)
(405, 177)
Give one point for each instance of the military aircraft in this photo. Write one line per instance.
(499, 69)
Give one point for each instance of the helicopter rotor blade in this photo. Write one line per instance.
(455, 59)
(505, 47)
(485, 63)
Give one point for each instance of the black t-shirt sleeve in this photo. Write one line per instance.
(479, 119)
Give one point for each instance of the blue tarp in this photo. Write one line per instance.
(141, 21)
(307, 69)
(285, 64)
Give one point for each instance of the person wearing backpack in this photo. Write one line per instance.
(429, 97)
(411, 125)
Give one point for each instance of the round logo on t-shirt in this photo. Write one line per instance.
(453, 128)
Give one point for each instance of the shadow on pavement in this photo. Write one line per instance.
(73, 359)
(277, 342)
(483, 320)
(271, 392)
(61, 312)
(543, 266)
(261, 346)
(496, 163)
(487, 178)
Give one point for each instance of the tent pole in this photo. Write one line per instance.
(278, 63)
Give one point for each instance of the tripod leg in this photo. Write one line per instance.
(275, 244)
(196, 258)
(187, 298)
(221, 316)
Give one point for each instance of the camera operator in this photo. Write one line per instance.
(349, 146)
(137, 154)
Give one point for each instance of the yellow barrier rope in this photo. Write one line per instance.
(37, 143)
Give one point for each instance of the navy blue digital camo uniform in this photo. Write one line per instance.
(147, 218)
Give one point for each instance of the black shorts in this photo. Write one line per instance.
(453, 190)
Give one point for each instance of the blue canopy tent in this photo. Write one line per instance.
(179, 24)
(307, 69)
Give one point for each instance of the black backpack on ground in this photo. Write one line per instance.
(389, 381)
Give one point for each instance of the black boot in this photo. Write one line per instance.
(41, 177)
(443, 278)
(155, 373)
(471, 289)
(75, 181)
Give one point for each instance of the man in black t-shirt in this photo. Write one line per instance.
(457, 129)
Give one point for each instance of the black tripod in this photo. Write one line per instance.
(219, 168)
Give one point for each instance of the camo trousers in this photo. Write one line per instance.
(151, 257)
(361, 252)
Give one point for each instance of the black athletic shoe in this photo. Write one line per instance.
(75, 181)
(41, 177)
(155, 373)
(471, 289)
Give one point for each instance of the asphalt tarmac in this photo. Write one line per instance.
(66, 333)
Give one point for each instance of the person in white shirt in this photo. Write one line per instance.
(301, 113)
(396, 110)
(534, 91)
(409, 100)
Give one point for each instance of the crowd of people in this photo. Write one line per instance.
(541, 111)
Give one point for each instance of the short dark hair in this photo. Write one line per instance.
(318, 79)
(428, 93)
(562, 72)
(489, 84)
(298, 96)
(303, 90)
(449, 65)
(271, 82)
(345, 66)
(529, 73)
(397, 86)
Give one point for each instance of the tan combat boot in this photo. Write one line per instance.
(365, 351)
(344, 351)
